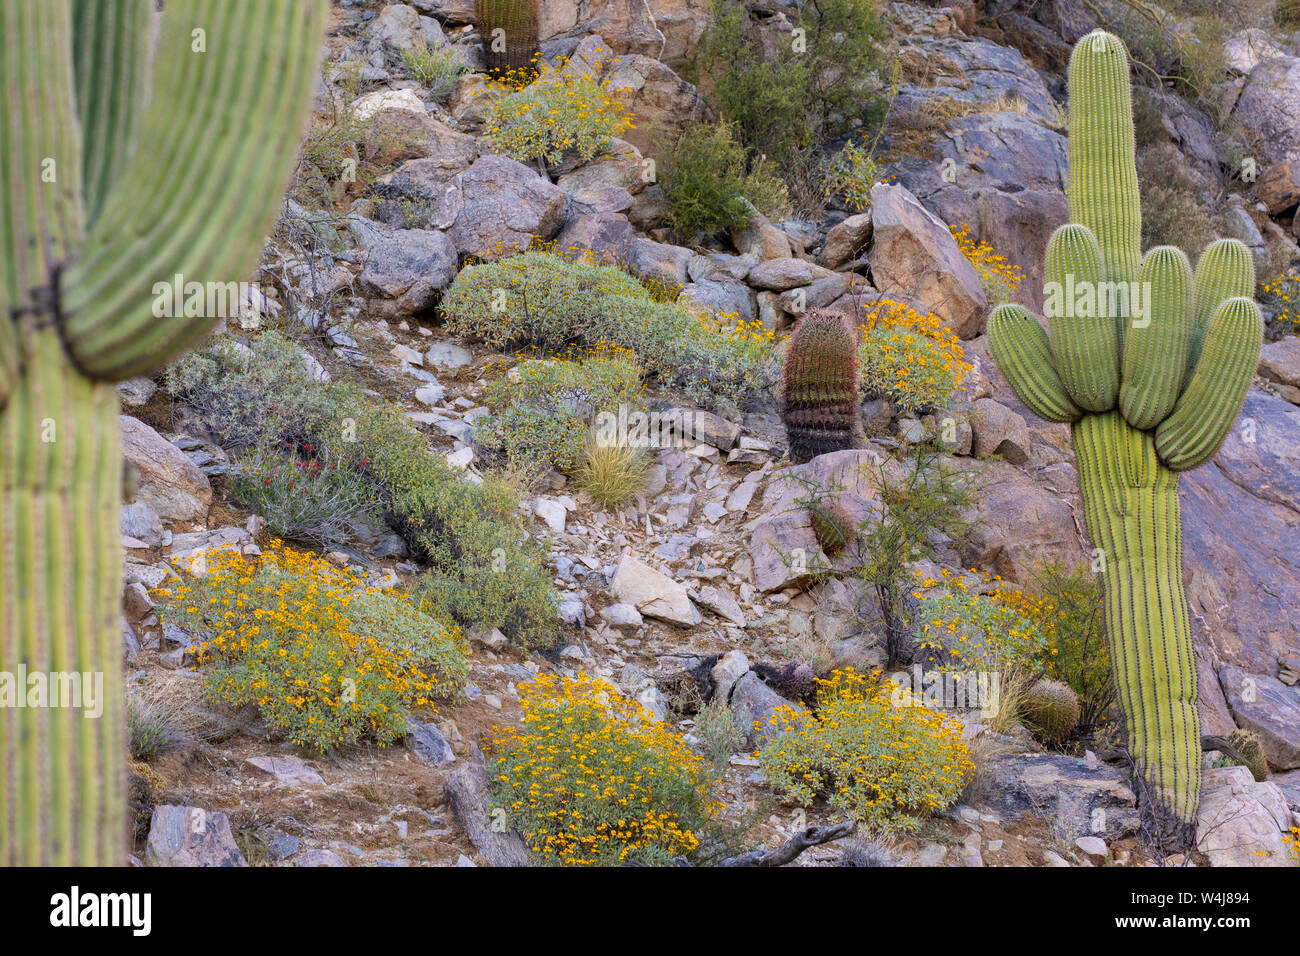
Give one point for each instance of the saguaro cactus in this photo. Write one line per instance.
(1151, 363)
(819, 386)
(509, 32)
(127, 158)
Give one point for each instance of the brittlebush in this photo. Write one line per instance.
(909, 358)
(590, 779)
(325, 659)
(872, 752)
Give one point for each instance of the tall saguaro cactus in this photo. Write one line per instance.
(129, 156)
(1151, 364)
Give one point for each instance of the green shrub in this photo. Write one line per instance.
(876, 755)
(559, 112)
(712, 185)
(324, 659)
(851, 173)
(484, 569)
(434, 68)
(315, 499)
(1246, 743)
(1286, 14)
(1174, 210)
(590, 779)
(544, 300)
(799, 99)
(720, 732)
(611, 472)
(542, 409)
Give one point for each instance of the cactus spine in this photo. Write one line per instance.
(1151, 387)
(819, 386)
(1052, 708)
(105, 194)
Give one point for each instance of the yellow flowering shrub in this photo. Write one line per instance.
(1283, 296)
(1292, 840)
(965, 626)
(558, 111)
(999, 278)
(324, 658)
(851, 173)
(590, 779)
(886, 765)
(909, 358)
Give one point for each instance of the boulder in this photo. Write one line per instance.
(753, 703)
(620, 165)
(695, 424)
(653, 593)
(287, 771)
(1076, 796)
(502, 206)
(845, 240)
(140, 521)
(1262, 703)
(682, 23)
(1279, 187)
(409, 268)
(427, 742)
(438, 151)
(626, 26)
(1241, 822)
(171, 484)
(660, 263)
(1267, 107)
(1280, 361)
(913, 253)
(190, 836)
(997, 430)
(605, 236)
(722, 295)
(397, 28)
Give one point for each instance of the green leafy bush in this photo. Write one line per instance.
(544, 300)
(713, 185)
(308, 499)
(875, 754)
(542, 409)
(485, 571)
(559, 112)
(806, 94)
(324, 658)
(851, 173)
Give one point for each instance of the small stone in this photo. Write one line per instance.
(430, 394)
(290, 771)
(622, 615)
(408, 355)
(461, 458)
(1094, 848)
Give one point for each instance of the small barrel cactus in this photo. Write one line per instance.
(819, 386)
(1052, 710)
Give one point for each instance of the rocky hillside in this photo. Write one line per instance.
(711, 594)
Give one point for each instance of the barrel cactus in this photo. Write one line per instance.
(1150, 362)
(509, 32)
(819, 386)
(1052, 710)
(130, 156)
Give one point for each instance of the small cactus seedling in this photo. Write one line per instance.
(819, 386)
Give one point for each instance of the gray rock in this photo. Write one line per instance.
(1078, 797)
(410, 267)
(140, 521)
(170, 483)
(448, 355)
(997, 430)
(427, 742)
(1271, 709)
(190, 836)
(753, 703)
(1241, 822)
(318, 858)
(285, 771)
(653, 593)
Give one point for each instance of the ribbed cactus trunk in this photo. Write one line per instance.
(819, 386)
(121, 165)
(1152, 385)
(1131, 508)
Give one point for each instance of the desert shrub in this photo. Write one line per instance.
(590, 779)
(324, 658)
(1174, 212)
(875, 754)
(802, 96)
(1250, 754)
(1292, 836)
(910, 359)
(1280, 297)
(1065, 608)
(559, 112)
(999, 278)
(317, 499)
(963, 626)
(484, 570)
(720, 732)
(922, 504)
(1286, 14)
(541, 299)
(542, 409)
(434, 68)
(611, 472)
(850, 174)
(713, 185)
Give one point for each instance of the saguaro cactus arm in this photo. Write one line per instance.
(216, 137)
(1021, 350)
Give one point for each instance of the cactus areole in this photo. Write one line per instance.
(128, 156)
(1150, 363)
